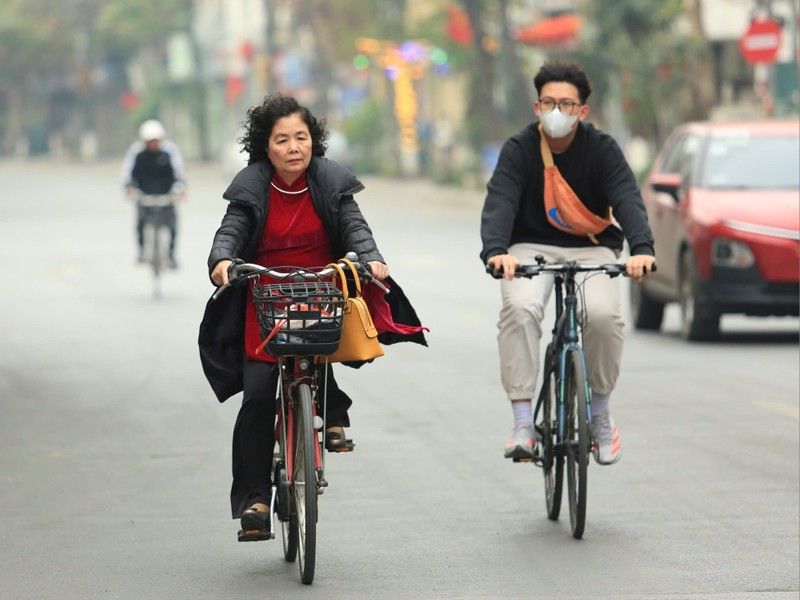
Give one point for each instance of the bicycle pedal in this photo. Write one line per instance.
(526, 459)
(254, 535)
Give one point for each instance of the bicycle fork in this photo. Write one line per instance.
(303, 376)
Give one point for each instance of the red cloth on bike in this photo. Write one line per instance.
(293, 236)
(382, 314)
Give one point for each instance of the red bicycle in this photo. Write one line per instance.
(300, 318)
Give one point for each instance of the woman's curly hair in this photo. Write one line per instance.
(262, 118)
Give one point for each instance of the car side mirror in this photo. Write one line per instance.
(668, 183)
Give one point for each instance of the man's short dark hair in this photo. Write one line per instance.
(564, 72)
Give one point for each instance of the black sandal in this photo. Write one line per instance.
(255, 526)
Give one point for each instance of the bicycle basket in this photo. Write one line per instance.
(299, 318)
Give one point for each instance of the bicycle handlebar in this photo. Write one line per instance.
(528, 271)
(240, 271)
(157, 200)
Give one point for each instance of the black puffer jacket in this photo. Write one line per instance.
(331, 186)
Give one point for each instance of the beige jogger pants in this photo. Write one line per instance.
(520, 325)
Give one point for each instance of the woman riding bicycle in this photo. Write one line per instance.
(289, 206)
(523, 216)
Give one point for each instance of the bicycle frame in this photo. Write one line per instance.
(566, 339)
(296, 370)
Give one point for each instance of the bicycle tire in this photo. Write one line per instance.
(286, 513)
(156, 238)
(552, 461)
(577, 442)
(304, 486)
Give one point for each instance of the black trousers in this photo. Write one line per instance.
(254, 432)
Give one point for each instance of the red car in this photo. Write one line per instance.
(723, 200)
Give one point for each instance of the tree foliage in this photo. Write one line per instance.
(338, 25)
(124, 26)
(33, 38)
(50, 51)
(653, 53)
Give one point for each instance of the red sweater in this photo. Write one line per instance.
(293, 236)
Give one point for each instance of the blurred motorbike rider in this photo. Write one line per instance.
(153, 166)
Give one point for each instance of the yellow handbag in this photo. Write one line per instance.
(359, 335)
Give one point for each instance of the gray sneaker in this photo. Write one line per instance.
(607, 447)
(521, 443)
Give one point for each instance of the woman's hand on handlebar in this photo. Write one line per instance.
(504, 263)
(379, 270)
(639, 266)
(220, 273)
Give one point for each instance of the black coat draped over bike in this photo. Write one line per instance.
(332, 187)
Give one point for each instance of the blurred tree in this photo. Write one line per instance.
(337, 26)
(130, 29)
(37, 45)
(123, 27)
(652, 55)
(484, 124)
(518, 90)
(54, 55)
(499, 96)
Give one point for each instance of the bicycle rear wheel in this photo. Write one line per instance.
(305, 484)
(578, 441)
(552, 461)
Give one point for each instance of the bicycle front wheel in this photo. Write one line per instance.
(286, 511)
(552, 461)
(305, 484)
(576, 392)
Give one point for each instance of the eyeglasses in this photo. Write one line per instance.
(565, 106)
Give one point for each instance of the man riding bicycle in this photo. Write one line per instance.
(153, 166)
(551, 194)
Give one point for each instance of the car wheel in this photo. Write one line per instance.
(699, 321)
(647, 313)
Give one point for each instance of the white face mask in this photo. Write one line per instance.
(556, 124)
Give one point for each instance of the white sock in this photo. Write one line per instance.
(522, 413)
(600, 403)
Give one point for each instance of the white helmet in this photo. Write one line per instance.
(151, 130)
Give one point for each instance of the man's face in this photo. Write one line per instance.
(153, 145)
(561, 94)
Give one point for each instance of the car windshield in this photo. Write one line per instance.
(744, 162)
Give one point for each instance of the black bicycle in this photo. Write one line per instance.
(563, 413)
(158, 219)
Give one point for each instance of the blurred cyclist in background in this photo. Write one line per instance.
(153, 166)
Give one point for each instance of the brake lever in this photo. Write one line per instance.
(371, 278)
(218, 292)
(233, 278)
(233, 271)
(366, 270)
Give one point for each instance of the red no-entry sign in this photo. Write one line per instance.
(760, 43)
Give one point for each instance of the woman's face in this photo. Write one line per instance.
(289, 147)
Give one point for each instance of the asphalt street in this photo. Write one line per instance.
(115, 455)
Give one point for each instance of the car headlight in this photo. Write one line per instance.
(730, 253)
